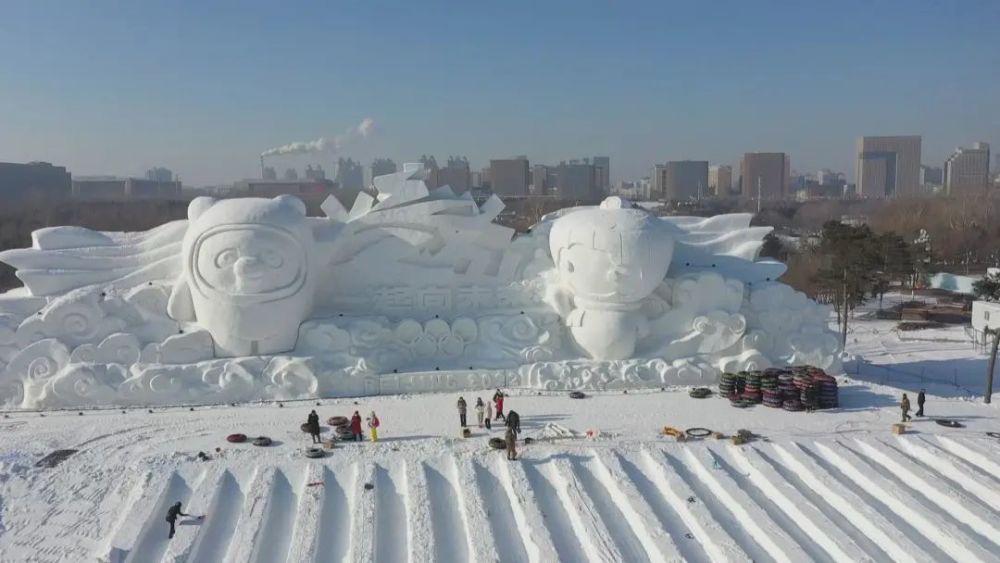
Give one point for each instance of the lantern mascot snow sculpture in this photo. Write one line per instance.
(249, 273)
(608, 259)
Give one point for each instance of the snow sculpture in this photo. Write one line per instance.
(608, 259)
(410, 290)
(249, 273)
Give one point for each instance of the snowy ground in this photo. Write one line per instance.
(828, 486)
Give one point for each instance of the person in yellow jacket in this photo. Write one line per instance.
(373, 424)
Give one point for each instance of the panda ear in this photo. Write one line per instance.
(198, 206)
(292, 202)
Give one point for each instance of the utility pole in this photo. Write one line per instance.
(843, 332)
(758, 195)
(993, 360)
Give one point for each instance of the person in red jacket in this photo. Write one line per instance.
(498, 400)
(356, 427)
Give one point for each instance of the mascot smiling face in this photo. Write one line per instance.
(247, 273)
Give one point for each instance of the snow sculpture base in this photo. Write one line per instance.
(411, 290)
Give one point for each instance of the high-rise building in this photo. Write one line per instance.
(315, 173)
(579, 181)
(657, 181)
(967, 170)
(604, 164)
(456, 174)
(509, 177)
(432, 171)
(764, 175)
(34, 181)
(109, 188)
(720, 180)
(543, 179)
(888, 166)
(350, 175)
(686, 180)
(160, 174)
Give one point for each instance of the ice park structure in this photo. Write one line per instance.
(410, 290)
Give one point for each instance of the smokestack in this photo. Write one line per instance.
(262, 166)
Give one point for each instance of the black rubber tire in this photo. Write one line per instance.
(949, 423)
(262, 441)
(994, 435)
(343, 430)
(314, 453)
(236, 438)
(698, 432)
(498, 444)
(305, 427)
(338, 421)
(577, 395)
(699, 392)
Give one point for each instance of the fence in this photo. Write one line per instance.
(911, 381)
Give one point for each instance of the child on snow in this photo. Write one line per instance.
(373, 424)
(498, 400)
(479, 410)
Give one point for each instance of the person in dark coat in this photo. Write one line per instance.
(312, 423)
(514, 422)
(462, 409)
(904, 405)
(510, 439)
(356, 427)
(920, 402)
(172, 513)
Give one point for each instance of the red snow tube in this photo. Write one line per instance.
(236, 438)
(338, 421)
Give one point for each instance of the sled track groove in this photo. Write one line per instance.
(847, 525)
(971, 456)
(390, 515)
(956, 470)
(217, 532)
(447, 515)
(152, 541)
(279, 520)
(504, 514)
(903, 505)
(334, 541)
(556, 512)
(622, 522)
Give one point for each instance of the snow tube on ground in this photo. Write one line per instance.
(577, 394)
(949, 423)
(305, 427)
(236, 438)
(698, 432)
(498, 443)
(700, 392)
(343, 430)
(262, 441)
(994, 435)
(315, 452)
(338, 421)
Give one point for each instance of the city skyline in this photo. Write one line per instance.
(204, 90)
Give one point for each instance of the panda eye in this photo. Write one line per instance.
(226, 258)
(569, 267)
(273, 258)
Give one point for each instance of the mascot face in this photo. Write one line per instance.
(610, 255)
(259, 261)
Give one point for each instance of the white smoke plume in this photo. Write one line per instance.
(363, 130)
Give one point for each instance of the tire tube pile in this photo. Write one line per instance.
(338, 421)
(343, 431)
(780, 388)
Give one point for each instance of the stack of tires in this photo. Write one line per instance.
(341, 426)
(829, 395)
(727, 385)
(771, 389)
(752, 391)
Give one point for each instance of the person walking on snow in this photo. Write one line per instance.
(373, 424)
(479, 411)
(498, 400)
(920, 403)
(905, 406)
(511, 440)
(489, 417)
(312, 424)
(513, 422)
(461, 411)
(172, 513)
(356, 427)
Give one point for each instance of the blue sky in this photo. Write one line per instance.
(204, 87)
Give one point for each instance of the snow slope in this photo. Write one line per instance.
(827, 486)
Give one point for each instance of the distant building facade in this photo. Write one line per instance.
(108, 188)
(311, 190)
(720, 180)
(579, 180)
(603, 163)
(931, 176)
(509, 176)
(34, 181)
(967, 170)
(888, 166)
(686, 180)
(764, 175)
(160, 174)
(456, 174)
